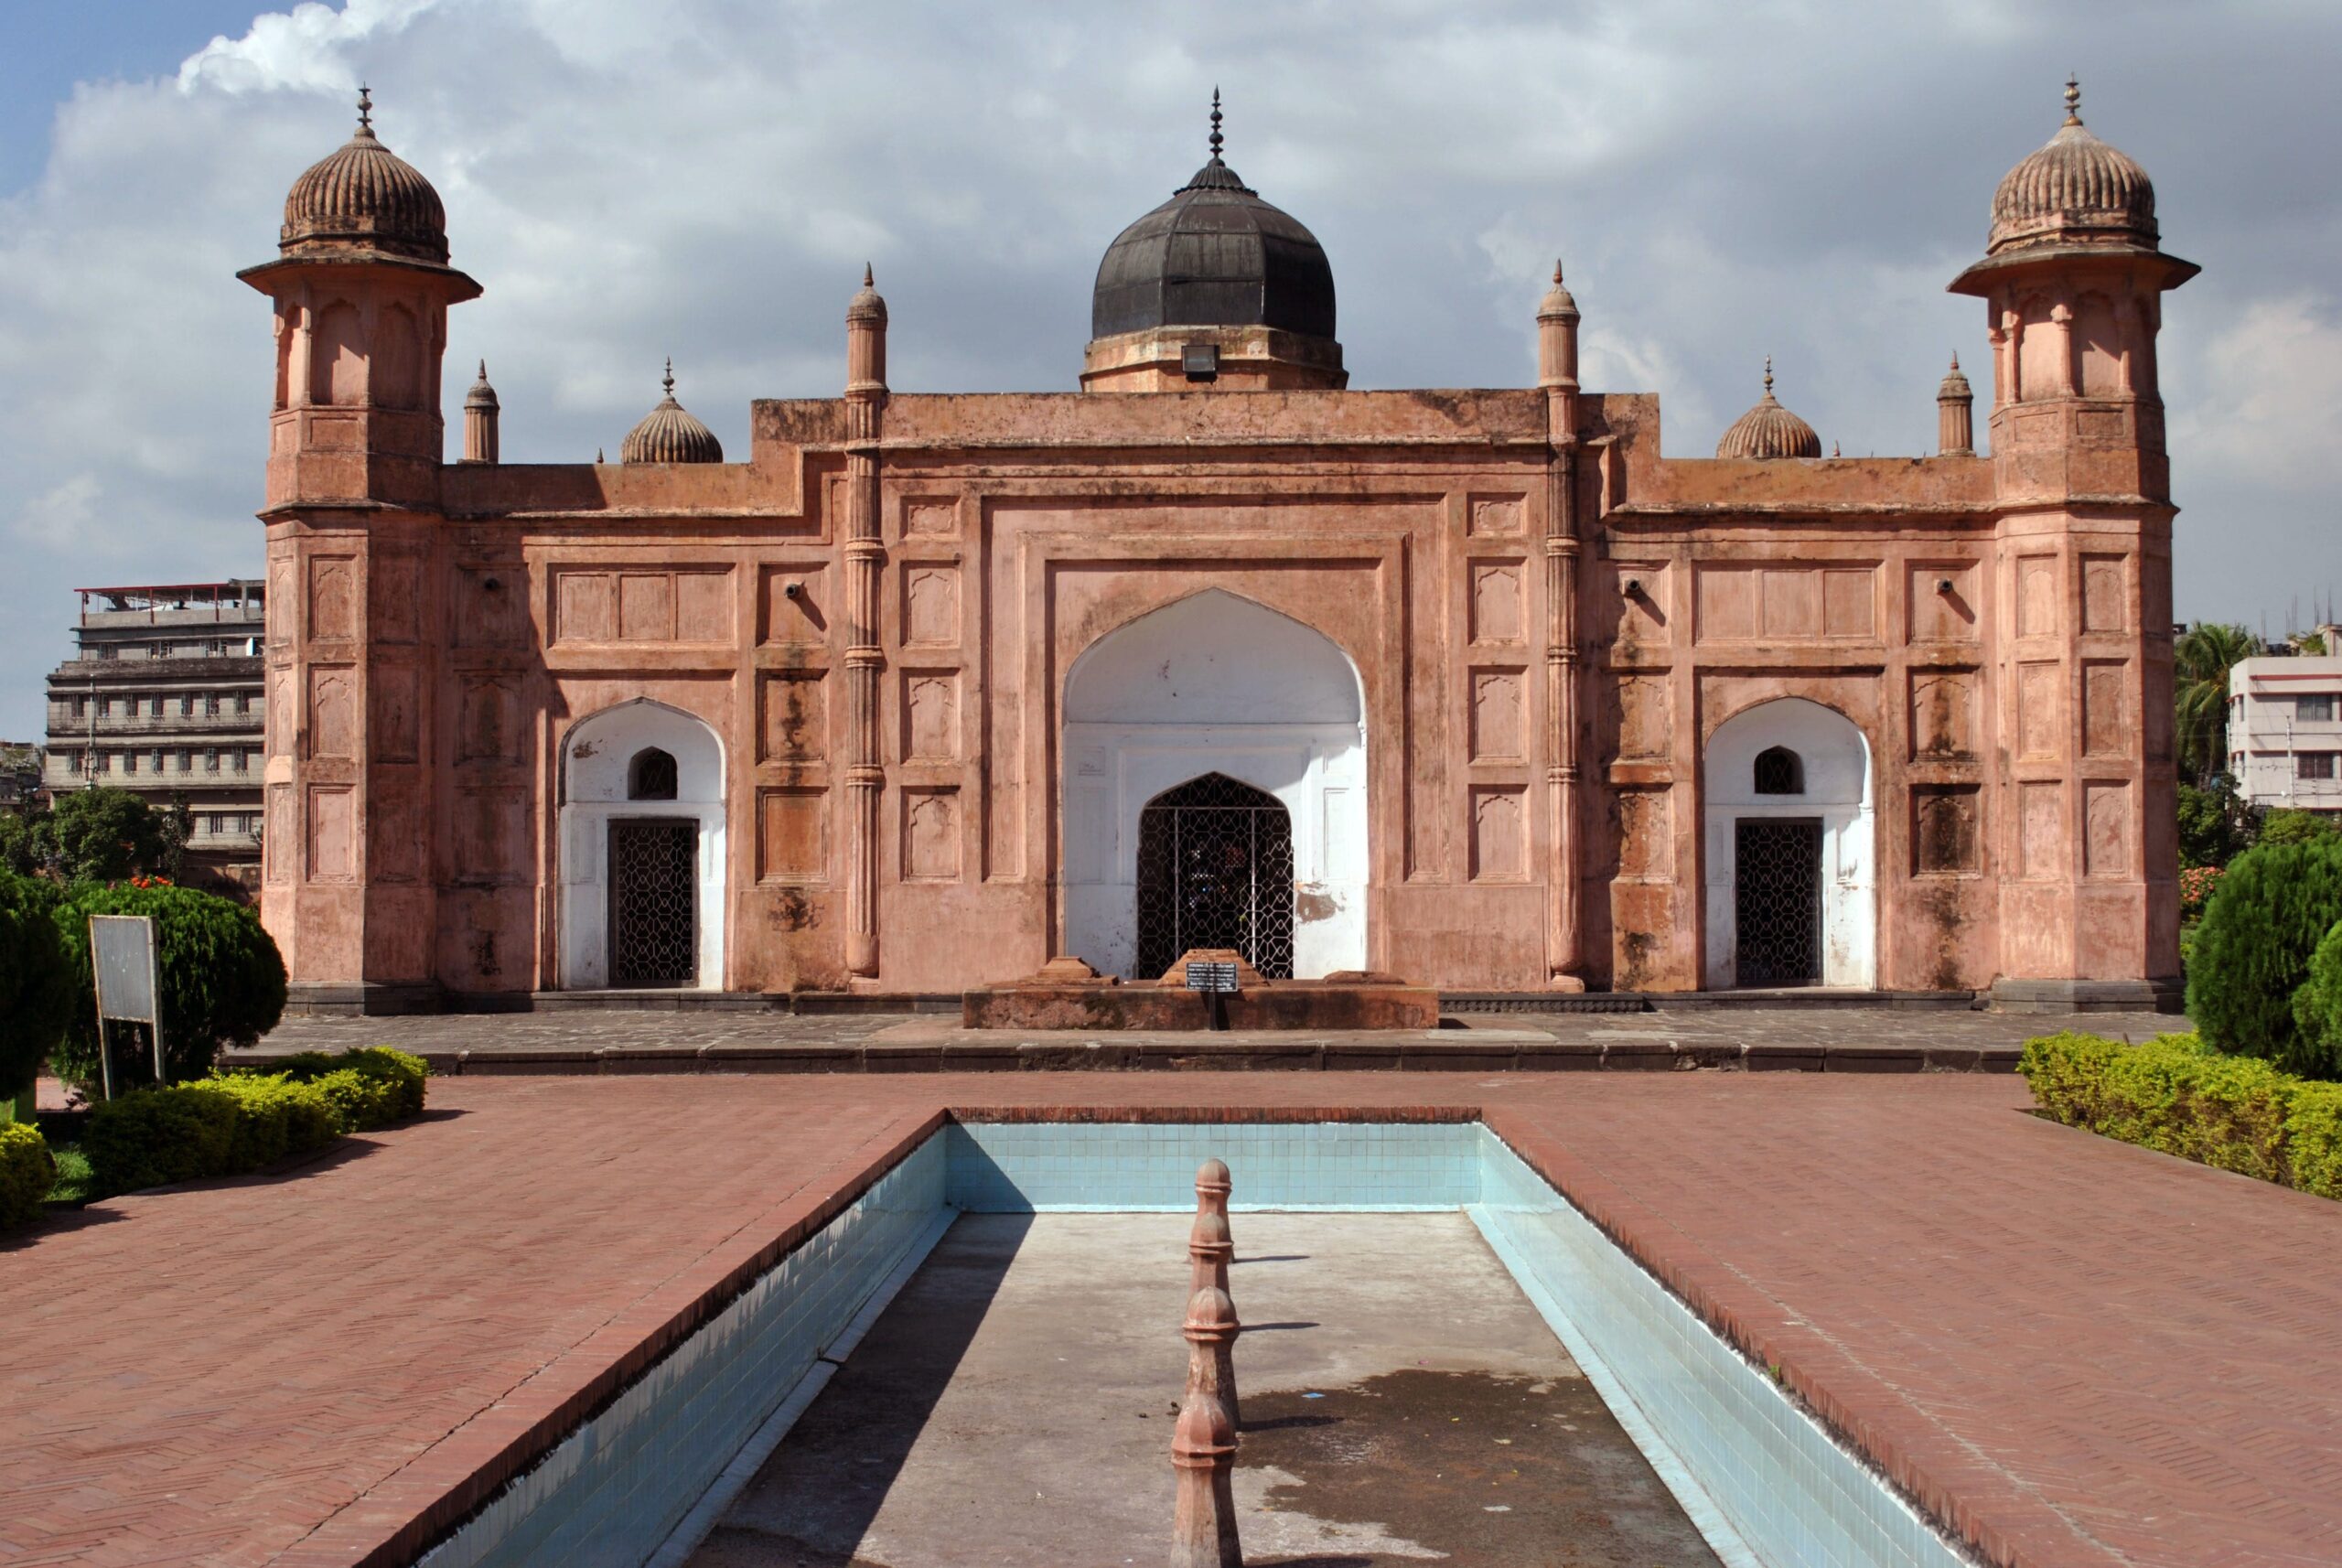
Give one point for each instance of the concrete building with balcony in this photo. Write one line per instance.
(163, 696)
(2285, 730)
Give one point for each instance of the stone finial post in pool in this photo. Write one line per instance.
(1213, 1187)
(1203, 1448)
(1208, 1250)
(1211, 1329)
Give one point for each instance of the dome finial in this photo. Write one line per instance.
(2073, 100)
(1557, 269)
(1768, 375)
(1955, 360)
(868, 281)
(1217, 139)
(483, 369)
(668, 381)
(365, 108)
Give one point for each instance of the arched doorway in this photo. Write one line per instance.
(1215, 870)
(642, 851)
(1215, 685)
(1791, 893)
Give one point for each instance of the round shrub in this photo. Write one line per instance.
(26, 1172)
(223, 982)
(2317, 1006)
(36, 987)
(2252, 951)
(151, 1136)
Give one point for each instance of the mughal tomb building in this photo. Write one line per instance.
(1471, 686)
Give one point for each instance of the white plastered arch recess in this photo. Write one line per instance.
(596, 756)
(1215, 683)
(1835, 758)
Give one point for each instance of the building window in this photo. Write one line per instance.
(2314, 764)
(105, 763)
(154, 707)
(130, 762)
(211, 705)
(2319, 710)
(187, 762)
(211, 759)
(81, 707)
(157, 760)
(1779, 771)
(108, 650)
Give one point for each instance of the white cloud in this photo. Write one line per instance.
(634, 177)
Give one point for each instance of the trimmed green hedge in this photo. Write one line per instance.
(2180, 1096)
(239, 1122)
(26, 1172)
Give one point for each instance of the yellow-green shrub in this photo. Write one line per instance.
(276, 1117)
(151, 1136)
(240, 1122)
(26, 1172)
(394, 1091)
(2175, 1094)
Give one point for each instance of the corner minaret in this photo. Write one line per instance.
(1557, 319)
(866, 656)
(360, 288)
(2072, 279)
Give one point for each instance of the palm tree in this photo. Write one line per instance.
(2201, 661)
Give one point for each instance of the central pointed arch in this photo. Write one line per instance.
(1215, 684)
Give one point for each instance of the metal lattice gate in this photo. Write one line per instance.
(1777, 901)
(1215, 870)
(654, 903)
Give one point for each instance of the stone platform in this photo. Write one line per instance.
(1067, 994)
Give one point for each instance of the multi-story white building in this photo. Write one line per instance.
(163, 696)
(2285, 730)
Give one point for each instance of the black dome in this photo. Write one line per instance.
(1214, 255)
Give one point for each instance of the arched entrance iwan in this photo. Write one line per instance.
(642, 851)
(1791, 890)
(1215, 684)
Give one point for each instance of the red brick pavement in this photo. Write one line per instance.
(2076, 1352)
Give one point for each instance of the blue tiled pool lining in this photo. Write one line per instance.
(643, 1480)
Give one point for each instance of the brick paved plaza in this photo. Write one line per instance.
(2070, 1351)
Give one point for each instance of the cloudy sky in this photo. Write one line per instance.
(631, 178)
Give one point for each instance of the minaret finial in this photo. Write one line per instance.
(1557, 269)
(483, 369)
(2073, 100)
(668, 381)
(1955, 358)
(1768, 375)
(1217, 139)
(365, 108)
(868, 281)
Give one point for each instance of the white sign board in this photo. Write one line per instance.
(122, 955)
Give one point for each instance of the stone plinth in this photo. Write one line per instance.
(1057, 999)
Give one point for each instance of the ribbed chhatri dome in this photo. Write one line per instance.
(2076, 189)
(1768, 430)
(1214, 255)
(364, 196)
(670, 435)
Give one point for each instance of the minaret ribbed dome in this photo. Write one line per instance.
(1954, 383)
(1768, 430)
(670, 435)
(364, 196)
(482, 396)
(1214, 255)
(2076, 189)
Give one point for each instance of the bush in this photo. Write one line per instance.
(389, 1087)
(223, 983)
(151, 1136)
(240, 1122)
(2287, 825)
(36, 987)
(2252, 951)
(26, 1172)
(2317, 1006)
(2178, 1095)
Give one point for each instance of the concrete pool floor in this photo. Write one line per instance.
(1014, 1406)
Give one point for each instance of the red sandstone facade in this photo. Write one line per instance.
(1572, 660)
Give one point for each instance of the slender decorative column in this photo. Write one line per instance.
(865, 557)
(1203, 1446)
(1557, 319)
(1213, 1187)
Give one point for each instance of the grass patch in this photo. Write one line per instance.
(73, 1187)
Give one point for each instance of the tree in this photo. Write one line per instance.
(2202, 660)
(37, 990)
(222, 979)
(97, 835)
(2272, 908)
(2287, 825)
(2216, 824)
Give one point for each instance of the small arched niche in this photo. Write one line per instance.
(651, 775)
(1778, 770)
